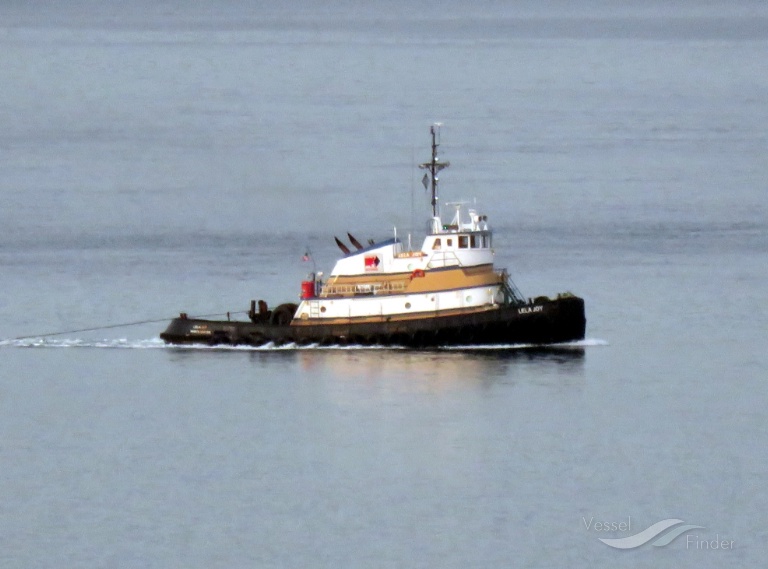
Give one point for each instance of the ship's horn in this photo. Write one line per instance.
(354, 241)
(341, 245)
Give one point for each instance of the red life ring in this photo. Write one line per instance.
(418, 273)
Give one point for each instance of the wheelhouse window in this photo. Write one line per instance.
(463, 242)
(449, 242)
(486, 242)
(474, 242)
(436, 244)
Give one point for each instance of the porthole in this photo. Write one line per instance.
(407, 304)
(322, 309)
(469, 298)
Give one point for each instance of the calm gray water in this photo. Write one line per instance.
(158, 158)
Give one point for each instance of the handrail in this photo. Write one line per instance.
(363, 288)
(443, 259)
(512, 294)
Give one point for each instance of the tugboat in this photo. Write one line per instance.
(447, 293)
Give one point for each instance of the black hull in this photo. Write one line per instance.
(542, 322)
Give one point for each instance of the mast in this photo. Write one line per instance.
(434, 166)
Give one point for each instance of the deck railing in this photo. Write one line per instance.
(443, 259)
(363, 288)
(512, 294)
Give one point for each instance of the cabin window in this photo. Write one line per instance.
(485, 241)
(449, 242)
(436, 244)
(463, 241)
(474, 242)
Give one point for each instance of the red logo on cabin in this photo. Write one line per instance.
(372, 263)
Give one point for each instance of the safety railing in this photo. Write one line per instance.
(388, 287)
(443, 259)
(512, 294)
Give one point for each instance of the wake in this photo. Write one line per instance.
(158, 344)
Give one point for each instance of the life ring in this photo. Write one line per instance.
(418, 273)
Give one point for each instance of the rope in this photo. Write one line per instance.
(123, 325)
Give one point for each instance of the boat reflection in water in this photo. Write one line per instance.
(438, 370)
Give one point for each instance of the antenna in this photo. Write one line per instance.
(434, 166)
(413, 192)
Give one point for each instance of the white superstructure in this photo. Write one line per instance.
(452, 272)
